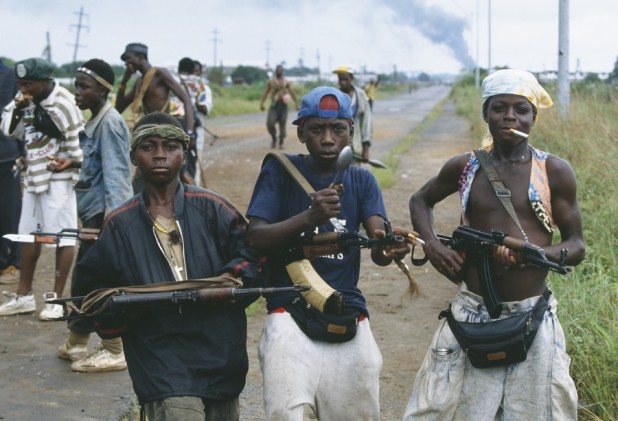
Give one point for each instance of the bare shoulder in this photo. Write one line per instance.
(556, 163)
(560, 173)
(448, 176)
(164, 74)
(559, 170)
(456, 164)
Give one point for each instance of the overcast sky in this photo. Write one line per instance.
(433, 36)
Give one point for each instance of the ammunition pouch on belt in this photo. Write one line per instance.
(322, 326)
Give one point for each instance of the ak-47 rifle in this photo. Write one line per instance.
(40, 237)
(115, 301)
(322, 296)
(480, 245)
(313, 245)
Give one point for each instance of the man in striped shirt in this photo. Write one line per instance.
(44, 116)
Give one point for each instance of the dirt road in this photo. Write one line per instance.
(36, 385)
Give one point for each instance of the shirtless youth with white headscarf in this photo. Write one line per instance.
(542, 189)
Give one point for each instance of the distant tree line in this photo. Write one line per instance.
(251, 74)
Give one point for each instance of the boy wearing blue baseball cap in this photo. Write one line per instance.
(299, 367)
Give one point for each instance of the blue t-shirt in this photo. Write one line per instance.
(277, 197)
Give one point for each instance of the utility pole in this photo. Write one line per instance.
(267, 55)
(215, 41)
(79, 27)
(477, 73)
(489, 36)
(47, 50)
(563, 87)
(318, 58)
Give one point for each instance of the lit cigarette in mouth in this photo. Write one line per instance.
(415, 238)
(517, 132)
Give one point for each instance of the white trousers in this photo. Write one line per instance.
(448, 387)
(340, 381)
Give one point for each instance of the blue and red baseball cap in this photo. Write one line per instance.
(325, 102)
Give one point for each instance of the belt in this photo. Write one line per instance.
(283, 310)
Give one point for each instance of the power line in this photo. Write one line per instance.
(79, 27)
(47, 50)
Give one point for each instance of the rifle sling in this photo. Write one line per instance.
(104, 295)
(502, 192)
(293, 171)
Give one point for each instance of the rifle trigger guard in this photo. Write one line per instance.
(418, 262)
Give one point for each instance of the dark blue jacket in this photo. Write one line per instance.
(200, 350)
(10, 148)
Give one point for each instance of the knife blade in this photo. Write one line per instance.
(20, 238)
(373, 162)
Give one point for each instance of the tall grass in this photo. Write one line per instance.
(588, 139)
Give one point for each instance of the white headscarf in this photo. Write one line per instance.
(516, 82)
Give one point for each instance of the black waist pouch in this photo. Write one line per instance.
(44, 123)
(501, 342)
(323, 326)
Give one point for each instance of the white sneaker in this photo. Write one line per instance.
(17, 304)
(100, 360)
(73, 353)
(51, 311)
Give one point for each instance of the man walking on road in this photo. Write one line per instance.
(280, 92)
(361, 111)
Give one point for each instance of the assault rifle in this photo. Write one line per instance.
(480, 244)
(322, 296)
(40, 237)
(313, 245)
(115, 301)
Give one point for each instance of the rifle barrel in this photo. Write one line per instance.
(202, 295)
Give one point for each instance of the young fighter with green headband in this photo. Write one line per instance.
(185, 363)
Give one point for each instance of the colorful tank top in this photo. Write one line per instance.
(538, 187)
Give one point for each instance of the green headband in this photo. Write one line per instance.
(165, 131)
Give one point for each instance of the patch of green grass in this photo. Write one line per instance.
(256, 307)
